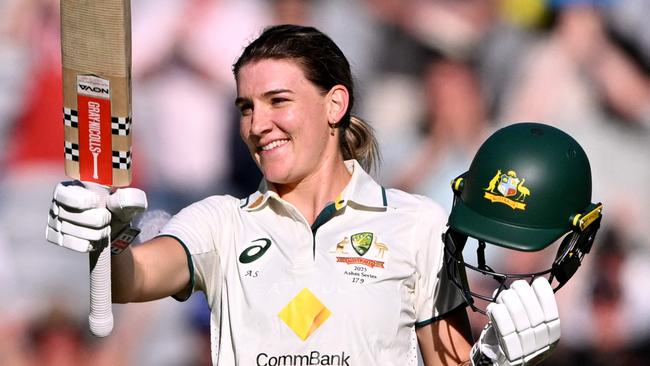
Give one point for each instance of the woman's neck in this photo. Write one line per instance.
(314, 192)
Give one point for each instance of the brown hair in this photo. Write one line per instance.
(325, 65)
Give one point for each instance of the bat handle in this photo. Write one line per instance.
(100, 318)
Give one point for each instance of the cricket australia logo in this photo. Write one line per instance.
(369, 251)
(510, 190)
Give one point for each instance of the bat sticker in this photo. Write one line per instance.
(94, 119)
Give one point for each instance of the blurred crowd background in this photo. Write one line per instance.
(434, 78)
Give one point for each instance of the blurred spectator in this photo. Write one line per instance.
(577, 70)
(455, 126)
(14, 26)
(58, 340)
(626, 22)
(414, 35)
(30, 31)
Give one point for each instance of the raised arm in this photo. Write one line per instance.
(150, 271)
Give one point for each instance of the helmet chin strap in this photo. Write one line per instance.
(480, 254)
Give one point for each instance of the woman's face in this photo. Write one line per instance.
(284, 120)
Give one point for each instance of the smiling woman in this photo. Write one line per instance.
(320, 265)
(295, 91)
(285, 124)
(325, 67)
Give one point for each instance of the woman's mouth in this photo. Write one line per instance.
(273, 145)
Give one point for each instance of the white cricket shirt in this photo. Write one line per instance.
(347, 290)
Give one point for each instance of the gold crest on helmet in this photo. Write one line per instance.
(507, 185)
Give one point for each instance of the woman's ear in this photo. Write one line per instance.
(338, 100)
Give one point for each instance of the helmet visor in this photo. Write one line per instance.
(480, 283)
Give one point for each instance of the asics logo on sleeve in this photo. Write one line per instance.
(254, 252)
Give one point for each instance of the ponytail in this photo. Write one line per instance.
(358, 142)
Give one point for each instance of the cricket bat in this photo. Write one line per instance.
(96, 58)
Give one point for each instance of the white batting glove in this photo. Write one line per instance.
(78, 219)
(523, 327)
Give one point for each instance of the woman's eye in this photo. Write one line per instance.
(245, 110)
(276, 101)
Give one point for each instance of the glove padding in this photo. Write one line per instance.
(523, 327)
(80, 220)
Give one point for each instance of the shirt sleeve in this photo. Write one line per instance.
(436, 295)
(202, 229)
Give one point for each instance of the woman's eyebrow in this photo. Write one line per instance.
(243, 100)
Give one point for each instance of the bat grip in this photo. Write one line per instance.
(100, 318)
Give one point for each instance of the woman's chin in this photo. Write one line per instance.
(276, 174)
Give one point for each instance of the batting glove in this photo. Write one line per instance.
(523, 326)
(79, 219)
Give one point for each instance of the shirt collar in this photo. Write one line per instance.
(362, 192)
(258, 199)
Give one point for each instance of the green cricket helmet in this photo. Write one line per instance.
(528, 185)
